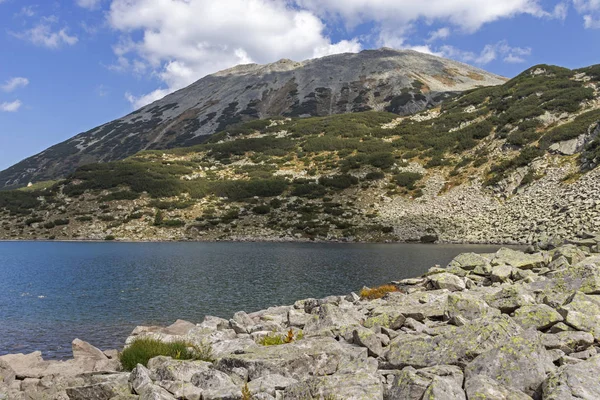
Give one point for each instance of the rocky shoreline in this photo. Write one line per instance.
(508, 325)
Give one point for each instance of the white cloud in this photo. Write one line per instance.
(440, 34)
(89, 4)
(591, 12)
(44, 35)
(14, 83)
(28, 11)
(11, 107)
(489, 53)
(182, 41)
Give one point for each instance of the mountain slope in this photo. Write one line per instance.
(401, 82)
(506, 164)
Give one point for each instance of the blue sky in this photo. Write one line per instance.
(68, 66)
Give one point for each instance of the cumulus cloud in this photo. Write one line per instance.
(440, 34)
(45, 35)
(488, 54)
(14, 83)
(11, 107)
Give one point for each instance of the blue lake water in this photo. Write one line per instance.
(51, 293)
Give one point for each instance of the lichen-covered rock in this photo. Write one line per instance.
(448, 281)
(330, 320)
(299, 360)
(469, 306)
(167, 369)
(140, 379)
(468, 261)
(413, 384)
(568, 341)
(112, 386)
(501, 273)
(510, 297)
(216, 385)
(181, 390)
(367, 338)
(537, 316)
(518, 259)
(520, 363)
(270, 384)
(155, 392)
(574, 382)
(481, 387)
(460, 344)
(583, 313)
(360, 386)
(7, 374)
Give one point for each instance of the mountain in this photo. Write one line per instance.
(401, 82)
(514, 163)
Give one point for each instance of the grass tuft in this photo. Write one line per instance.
(378, 292)
(142, 350)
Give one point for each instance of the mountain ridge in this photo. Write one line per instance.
(402, 82)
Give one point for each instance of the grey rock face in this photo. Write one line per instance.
(359, 386)
(570, 382)
(520, 363)
(370, 80)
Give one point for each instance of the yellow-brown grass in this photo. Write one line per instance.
(378, 292)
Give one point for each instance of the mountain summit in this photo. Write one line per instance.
(400, 82)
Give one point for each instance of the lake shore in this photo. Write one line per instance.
(509, 324)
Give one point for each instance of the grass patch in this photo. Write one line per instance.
(276, 339)
(378, 292)
(142, 350)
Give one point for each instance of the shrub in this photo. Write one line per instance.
(142, 350)
(33, 220)
(339, 181)
(106, 218)
(85, 218)
(374, 176)
(60, 222)
(378, 292)
(109, 237)
(121, 195)
(309, 190)
(407, 179)
(262, 209)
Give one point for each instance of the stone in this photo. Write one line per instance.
(518, 259)
(167, 369)
(241, 322)
(484, 387)
(7, 374)
(579, 381)
(448, 281)
(155, 392)
(181, 390)
(140, 379)
(360, 386)
(459, 345)
(299, 360)
(568, 341)
(520, 363)
(297, 318)
(468, 261)
(412, 384)
(469, 306)
(111, 387)
(83, 349)
(582, 312)
(179, 328)
(501, 273)
(270, 384)
(571, 254)
(367, 338)
(537, 316)
(510, 297)
(216, 385)
(330, 320)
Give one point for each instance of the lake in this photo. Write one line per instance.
(51, 293)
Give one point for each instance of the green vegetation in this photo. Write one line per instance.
(19, 202)
(378, 292)
(276, 339)
(407, 179)
(142, 350)
(571, 130)
(120, 195)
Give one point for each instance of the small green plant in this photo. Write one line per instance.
(144, 349)
(276, 339)
(246, 395)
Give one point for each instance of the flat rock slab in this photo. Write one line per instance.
(359, 386)
(574, 382)
(298, 360)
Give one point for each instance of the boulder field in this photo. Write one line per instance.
(509, 325)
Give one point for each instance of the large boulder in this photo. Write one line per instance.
(510, 297)
(331, 320)
(458, 345)
(359, 386)
(367, 338)
(520, 363)
(537, 316)
(582, 312)
(167, 369)
(468, 261)
(469, 306)
(574, 382)
(438, 382)
(448, 281)
(518, 259)
(111, 386)
(298, 360)
(270, 384)
(483, 387)
(216, 385)
(7, 374)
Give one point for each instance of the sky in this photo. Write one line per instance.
(68, 66)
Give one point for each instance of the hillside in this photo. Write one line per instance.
(509, 164)
(401, 82)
